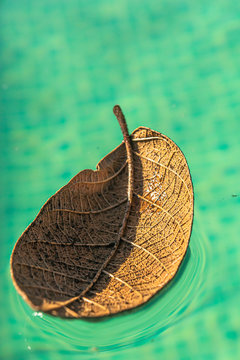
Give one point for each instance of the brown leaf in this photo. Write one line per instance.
(111, 238)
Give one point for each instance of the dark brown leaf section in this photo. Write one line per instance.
(69, 262)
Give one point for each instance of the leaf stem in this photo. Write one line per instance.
(123, 125)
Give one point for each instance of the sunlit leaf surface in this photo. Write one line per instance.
(103, 244)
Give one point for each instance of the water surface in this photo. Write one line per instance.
(173, 66)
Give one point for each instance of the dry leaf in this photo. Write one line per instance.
(111, 238)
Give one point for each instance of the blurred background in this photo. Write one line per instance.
(173, 66)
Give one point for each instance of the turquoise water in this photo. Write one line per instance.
(173, 66)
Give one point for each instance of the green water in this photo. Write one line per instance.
(173, 66)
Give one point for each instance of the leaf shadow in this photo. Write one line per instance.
(124, 248)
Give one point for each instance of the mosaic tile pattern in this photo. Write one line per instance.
(173, 66)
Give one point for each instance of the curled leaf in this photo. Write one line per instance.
(111, 238)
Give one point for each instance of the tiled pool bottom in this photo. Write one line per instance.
(174, 67)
